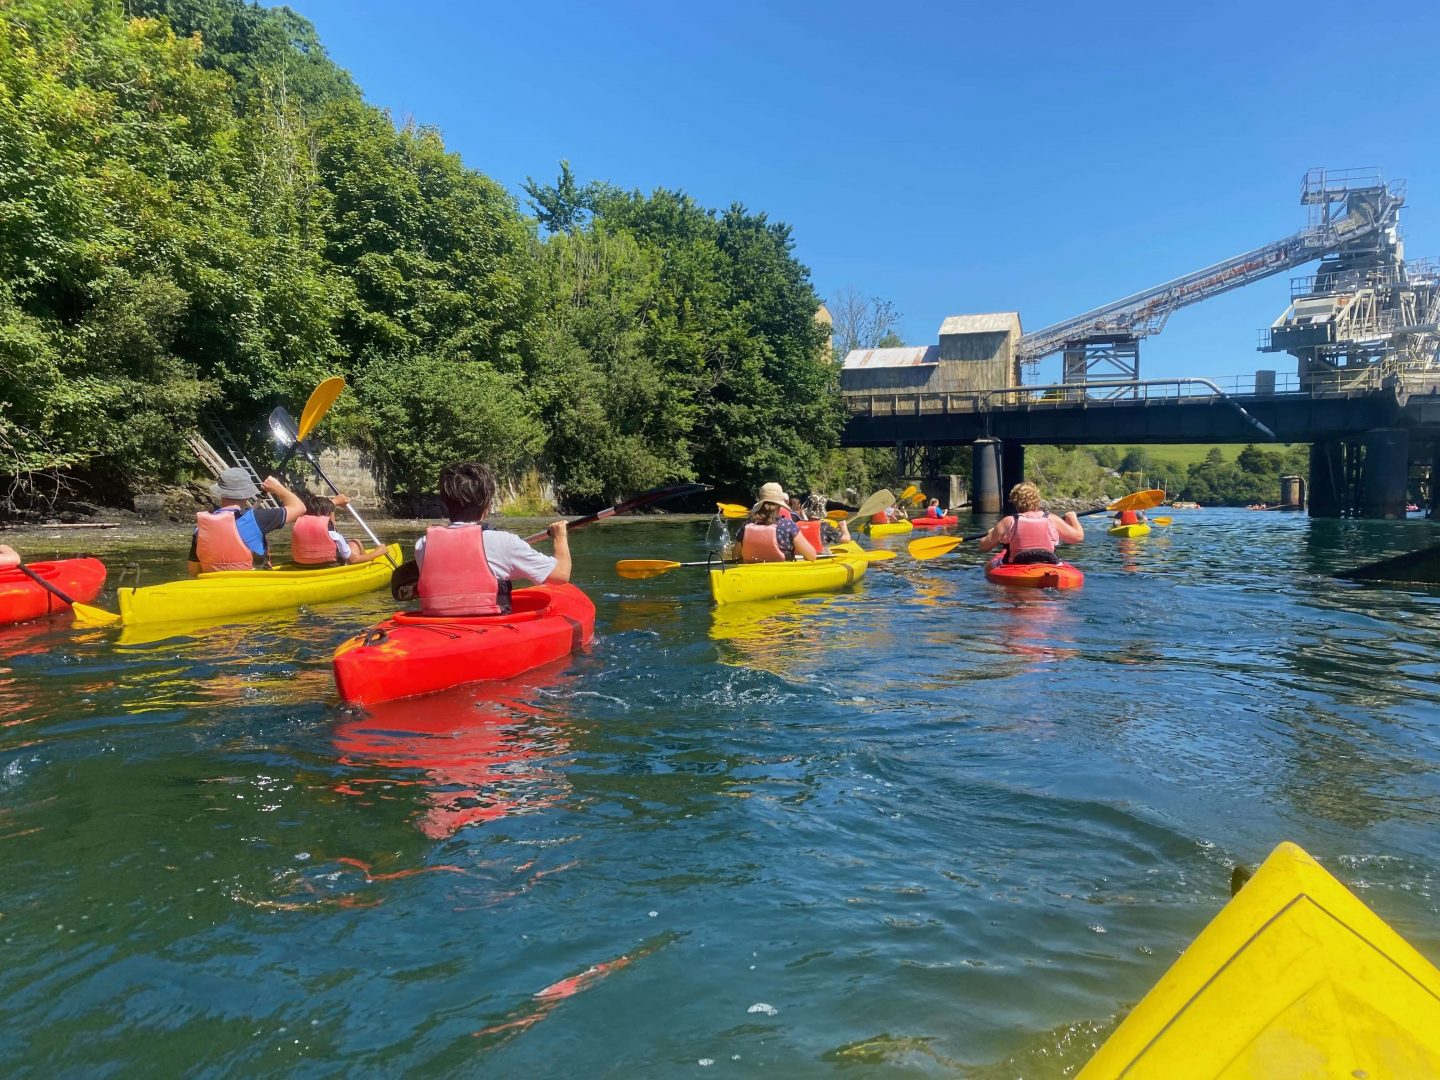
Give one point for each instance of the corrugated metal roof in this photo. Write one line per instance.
(994, 322)
(907, 356)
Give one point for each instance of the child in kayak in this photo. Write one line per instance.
(467, 567)
(1130, 517)
(1031, 534)
(316, 542)
(934, 510)
(235, 535)
(770, 536)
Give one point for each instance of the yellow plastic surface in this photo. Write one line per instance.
(1130, 530)
(227, 593)
(894, 528)
(763, 581)
(1294, 978)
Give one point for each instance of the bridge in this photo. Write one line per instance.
(1365, 394)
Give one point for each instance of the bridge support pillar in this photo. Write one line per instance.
(1434, 492)
(1012, 465)
(1327, 479)
(985, 496)
(1387, 473)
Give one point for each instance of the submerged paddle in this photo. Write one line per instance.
(930, 547)
(405, 579)
(648, 568)
(282, 424)
(85, 615)
(1414, 568)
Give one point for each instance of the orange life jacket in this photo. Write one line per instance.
(1129, 517)
(455, 578)
(758, 544)
(311, 544)
(227, 539)
(882, 518)
(811, 531)
(1032, 531)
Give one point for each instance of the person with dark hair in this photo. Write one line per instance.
(235, 536)
(466, 567)
(316, 541)
(1031, 533)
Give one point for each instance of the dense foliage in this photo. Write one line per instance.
(1253, 477)
(198, 211)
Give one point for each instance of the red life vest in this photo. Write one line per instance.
(1032, 531)
(811, 531)
(311, 544)
(933, 512)
(219, 544)
(1129, 517)
(758, 544)
(882, 518)
(455, 578)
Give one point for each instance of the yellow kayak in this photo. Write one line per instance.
(739, 582)
(1130, 530)
(225, 593)
(1294, 978)
(894, 528)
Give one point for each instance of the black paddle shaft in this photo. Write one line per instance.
(53, 590)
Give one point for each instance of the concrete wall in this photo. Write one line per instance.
(354, 472)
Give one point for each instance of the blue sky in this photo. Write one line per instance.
(1043, 157)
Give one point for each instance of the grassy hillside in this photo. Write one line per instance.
(1181, 455)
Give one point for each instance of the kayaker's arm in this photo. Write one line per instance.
(8, 556)
(994, 537)
(804, 548)
(561, 574)
(291, 503)
(1069, 528)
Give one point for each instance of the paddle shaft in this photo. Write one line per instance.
(53, 590)
(673, 491)
(315, 464)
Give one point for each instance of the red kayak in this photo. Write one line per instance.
(935, 523)
(411, 654)
(22, 599)
(1034, 575)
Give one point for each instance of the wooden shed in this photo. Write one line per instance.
(975, 352)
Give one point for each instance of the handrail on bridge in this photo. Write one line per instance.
(1127, 384)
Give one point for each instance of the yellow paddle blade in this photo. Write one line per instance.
(1161, 521)
(874, 504)
(644, 568)
(87, 616)
(733, 510)
(319, 404)
(1139, 500)
(910, 491)
(877, 556)
(836, 515)
(928, 547)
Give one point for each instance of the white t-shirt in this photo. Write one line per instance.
(509, 556)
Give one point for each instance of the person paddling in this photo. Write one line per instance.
(1130, 517)
(235, 536)
(467, 567)
(316, 541)
(934, 510)
(769, 536)
(1031, 534)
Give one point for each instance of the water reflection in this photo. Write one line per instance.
(475, 754)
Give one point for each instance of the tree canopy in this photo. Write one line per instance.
(199, 212)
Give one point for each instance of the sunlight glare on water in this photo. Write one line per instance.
(928, 825)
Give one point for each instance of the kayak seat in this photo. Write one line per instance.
(1030, 556)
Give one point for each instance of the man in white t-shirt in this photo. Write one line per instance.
(459, 585)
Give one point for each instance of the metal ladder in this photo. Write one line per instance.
(222, 436)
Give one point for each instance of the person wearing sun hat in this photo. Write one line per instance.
(233, 536)
(771, 535)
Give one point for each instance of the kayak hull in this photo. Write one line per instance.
(1034, 575)
(409, 654)
(226, 593)
(22, 599)
(1295, 977)
(934, 523)
(894, 528)
(738, 583)
(1130, 530)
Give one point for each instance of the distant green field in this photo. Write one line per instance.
(1183, 455)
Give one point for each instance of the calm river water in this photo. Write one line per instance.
(926, 828)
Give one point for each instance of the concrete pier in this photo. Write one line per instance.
(1387, 473)
(1012, 466)
(985, 474)
(1327, 479)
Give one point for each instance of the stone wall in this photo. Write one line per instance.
(355, 472)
